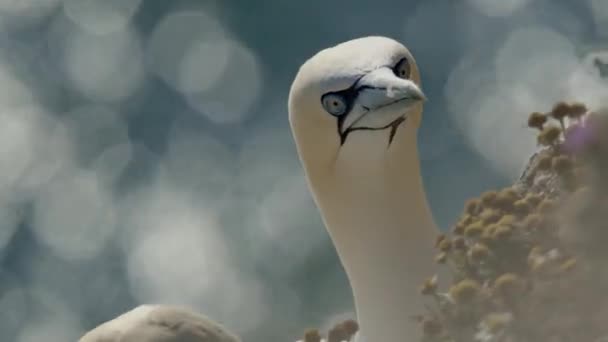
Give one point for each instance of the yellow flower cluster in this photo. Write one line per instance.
(516, 274)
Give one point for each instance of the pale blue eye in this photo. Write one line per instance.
(334, 104)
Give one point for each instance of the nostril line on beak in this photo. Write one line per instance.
(392, 91)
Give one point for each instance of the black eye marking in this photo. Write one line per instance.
(403, 68)
(394, 125)
(345, 101)
(339, 103)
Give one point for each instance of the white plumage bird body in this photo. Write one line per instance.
(354, 111)
(159, 323)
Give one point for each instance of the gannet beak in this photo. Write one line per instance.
(381, 87)
(383, 100)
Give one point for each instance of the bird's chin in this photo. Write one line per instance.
(386, 117)
(391, 127)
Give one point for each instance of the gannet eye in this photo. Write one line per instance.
(334, 104)
(402, 68)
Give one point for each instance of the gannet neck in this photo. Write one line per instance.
(378, 218)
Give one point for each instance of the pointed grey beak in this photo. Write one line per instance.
(383, 98)
(382, 86)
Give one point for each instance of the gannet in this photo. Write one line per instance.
(160, 323)
(354, 112)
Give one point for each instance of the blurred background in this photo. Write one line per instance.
(145, 153)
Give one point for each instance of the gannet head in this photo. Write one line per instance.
(366, 86)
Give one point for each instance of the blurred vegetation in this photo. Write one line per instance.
(343, 331)
(527, 262)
